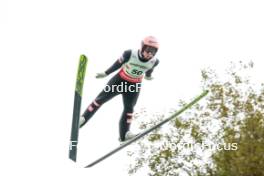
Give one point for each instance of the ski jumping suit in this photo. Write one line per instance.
(133, 68)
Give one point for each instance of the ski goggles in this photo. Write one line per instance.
(149, 49)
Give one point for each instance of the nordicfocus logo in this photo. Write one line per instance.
(203, 146)
(123, 87)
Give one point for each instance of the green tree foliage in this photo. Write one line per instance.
(221, 136)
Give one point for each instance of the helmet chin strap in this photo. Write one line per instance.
(141, 54)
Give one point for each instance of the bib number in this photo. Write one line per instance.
(136, 72)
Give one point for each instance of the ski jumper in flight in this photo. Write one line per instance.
(133, 65)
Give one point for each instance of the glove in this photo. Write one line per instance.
(100, 75)
(148, 78)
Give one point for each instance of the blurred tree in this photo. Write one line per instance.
(221, 136)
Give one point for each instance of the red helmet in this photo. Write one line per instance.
(150, 41)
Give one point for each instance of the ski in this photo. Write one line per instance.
(149, 130)
(77, 107)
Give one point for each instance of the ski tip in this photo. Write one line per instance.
(83, 56)
(206, 92)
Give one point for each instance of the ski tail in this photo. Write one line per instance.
(77, 107)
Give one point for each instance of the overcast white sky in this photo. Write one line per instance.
(40, 44)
